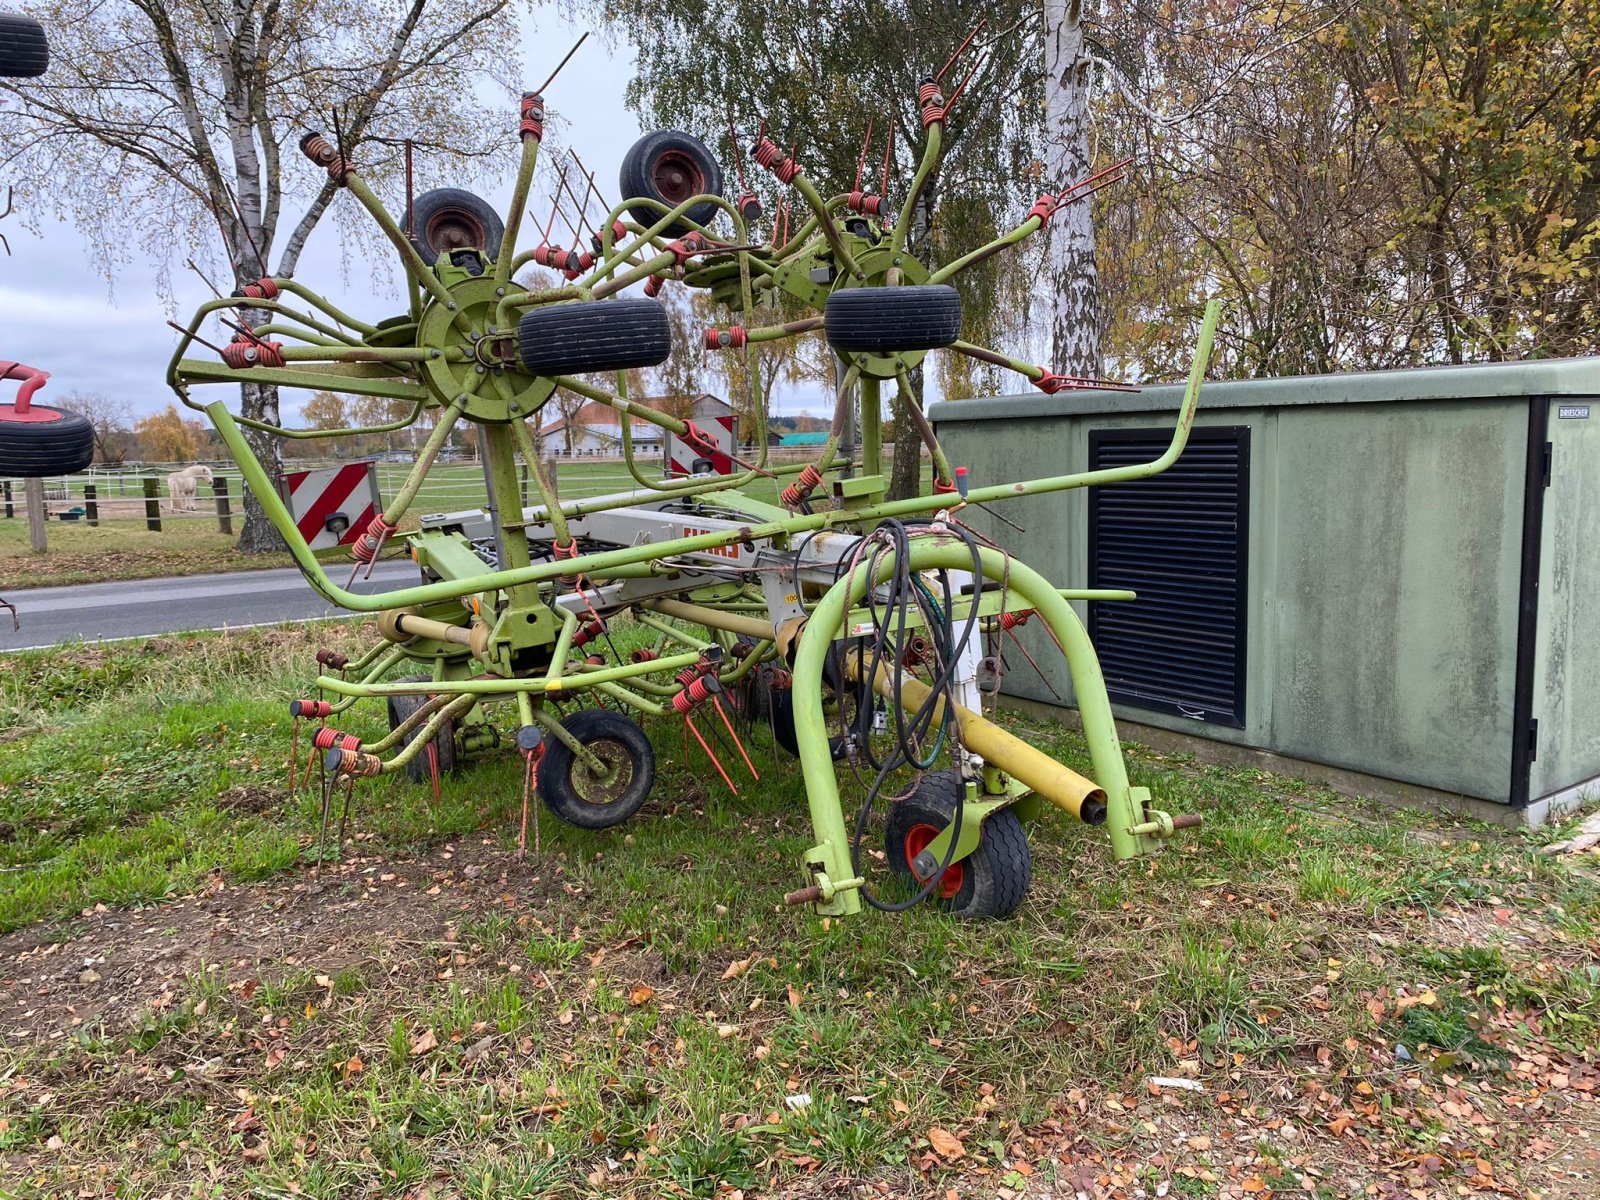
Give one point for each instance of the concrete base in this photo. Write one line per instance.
(1356, 784)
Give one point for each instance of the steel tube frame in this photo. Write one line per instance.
(828, 862)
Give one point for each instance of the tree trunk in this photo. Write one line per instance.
(261, 403)
(905, 476)
(1074, 281)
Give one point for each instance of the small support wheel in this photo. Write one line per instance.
(419, 770)
(854, 698)
(579, 795)
(992, 881)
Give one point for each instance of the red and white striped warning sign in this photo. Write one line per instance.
(681, 456)
(331, 507)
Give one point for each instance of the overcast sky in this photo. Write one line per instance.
(58, 312)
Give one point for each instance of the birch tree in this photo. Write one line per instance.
(166, 129)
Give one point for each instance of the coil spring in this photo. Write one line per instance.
(244, 352)
(365, 548)
(329, 738)
(643, 656)
(780, 680)
(261, 289)
(352, 762)
(332, 659)
(325, 154)
(866, 202)
(561, 551)
(732, 338)
(310, 708)
(596, 660)
(1011, 620)
(796, 493)
(749, 206)
(587, 632)
(775, 160)
(653, 285)
(532, 123)
(703, 688)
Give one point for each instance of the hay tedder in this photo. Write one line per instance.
(853, 623)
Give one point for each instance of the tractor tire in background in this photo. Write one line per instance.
(594, 335)
(668, 166)
(992, 881)
(418, 769)
(49, 442)
(24, 52)
(885, 320)
(447, 219)
(571, 791)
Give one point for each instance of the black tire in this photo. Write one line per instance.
(24, 52)
(33, 449)
(886, 320)
(992, 881)
(418, 769)
(569, 789)
(448, 219)
(594, 335)
(669, 166)
(780, 713)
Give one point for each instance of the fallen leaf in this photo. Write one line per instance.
(794, 996)
(640, 994)
(739, 966)
(946, 1144)
(425, 1041)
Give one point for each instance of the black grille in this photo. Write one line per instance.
(1180, 539)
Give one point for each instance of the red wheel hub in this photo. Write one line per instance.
(676, 177)
(918, 839)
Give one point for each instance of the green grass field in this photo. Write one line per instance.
(1353, 998)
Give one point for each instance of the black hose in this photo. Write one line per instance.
(889, 606)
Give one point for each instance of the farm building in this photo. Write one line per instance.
(1384, 581)
(597, 428)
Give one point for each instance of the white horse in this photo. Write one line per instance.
(183, 485)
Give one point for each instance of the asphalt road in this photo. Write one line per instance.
(103, 612)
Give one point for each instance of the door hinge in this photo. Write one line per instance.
(1549, 454)
(1533, 739)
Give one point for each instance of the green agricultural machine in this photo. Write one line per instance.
(855, 624)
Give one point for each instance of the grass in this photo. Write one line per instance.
(122, 547)
(634, 1012)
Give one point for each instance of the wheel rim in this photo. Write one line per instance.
(676, 177)
(918, 839)
(455, 229)
(598, 789)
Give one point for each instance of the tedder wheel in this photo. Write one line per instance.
(43, 441)
(24, 53)
(885, 320)
(991, 881)
(855, 698)
(580, 797)
(448, 219)
(594, 335)
(444, 742)
(669, 166)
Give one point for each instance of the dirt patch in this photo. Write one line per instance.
(250, 798)
(115, 965)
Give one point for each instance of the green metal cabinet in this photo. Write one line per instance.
(1419, 564)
